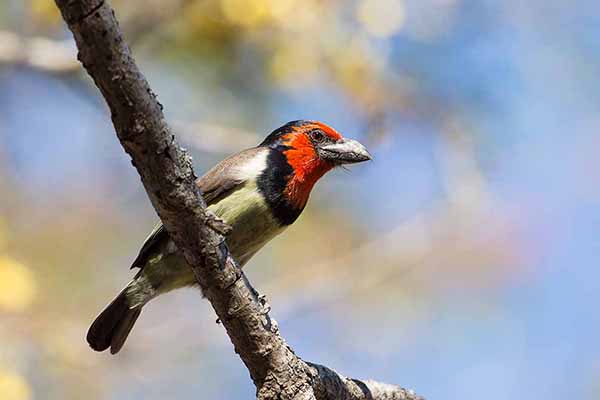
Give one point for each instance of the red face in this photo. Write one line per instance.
(311, 155)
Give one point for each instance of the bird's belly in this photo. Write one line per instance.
(252, 227)
(251, 220)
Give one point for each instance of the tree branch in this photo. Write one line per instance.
(167, 175)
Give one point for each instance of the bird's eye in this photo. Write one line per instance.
(318, 135)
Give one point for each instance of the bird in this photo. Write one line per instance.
(258, 192)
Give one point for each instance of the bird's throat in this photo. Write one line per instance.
(308, 169)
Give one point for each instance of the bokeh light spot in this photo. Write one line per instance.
(247, 13)
(381, 18)
(280, 9)
(17, 286)
(13, 386)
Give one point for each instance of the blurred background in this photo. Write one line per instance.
(462, 262)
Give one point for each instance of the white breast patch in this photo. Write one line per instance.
(253, 167)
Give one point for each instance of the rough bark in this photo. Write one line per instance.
(167, 175)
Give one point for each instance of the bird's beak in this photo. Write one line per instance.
(344, 151)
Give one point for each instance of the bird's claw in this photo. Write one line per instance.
(263, 301)
(218, 224)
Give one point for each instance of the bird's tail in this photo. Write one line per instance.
(111, 327)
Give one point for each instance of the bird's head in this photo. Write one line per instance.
(311, 149)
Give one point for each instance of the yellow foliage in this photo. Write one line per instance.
(280, 9)
(44, 10)
(13, 386)
(294, 66)
(17, 286)
(251, 13)
(297, 16)
(247, 13)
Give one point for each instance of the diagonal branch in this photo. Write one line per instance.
(167, 175)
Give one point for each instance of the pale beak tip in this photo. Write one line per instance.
(345, 151)
(360, 152)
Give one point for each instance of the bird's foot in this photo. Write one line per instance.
(217, 224)
(263, 301)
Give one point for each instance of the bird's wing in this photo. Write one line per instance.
(215, 185)
(226, 176)
(158, 234)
